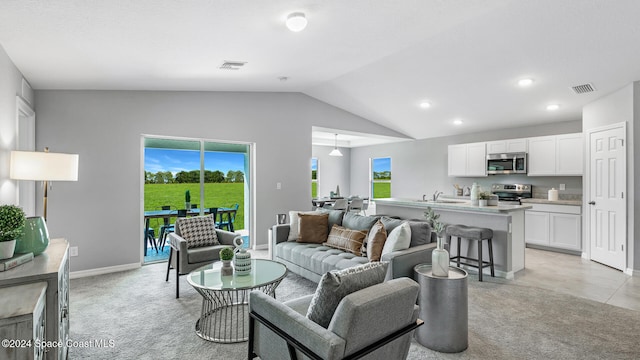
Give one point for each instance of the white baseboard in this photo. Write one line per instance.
(104, 270)
(632, 272)
(585, 256)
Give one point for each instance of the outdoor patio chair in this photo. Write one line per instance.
(169, 228)
(231, 218)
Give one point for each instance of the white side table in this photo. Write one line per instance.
(444, 308)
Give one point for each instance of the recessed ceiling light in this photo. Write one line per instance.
(553, 107)
(296, 21)
(425, 104)
(525, 82)
(457, 122)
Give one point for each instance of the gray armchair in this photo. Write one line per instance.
(377, 321)
(186, 259)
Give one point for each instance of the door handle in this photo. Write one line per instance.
(592, 202)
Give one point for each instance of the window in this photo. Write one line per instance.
(380, 178)
(314, 177)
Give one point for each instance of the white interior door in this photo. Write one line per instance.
(607, 196)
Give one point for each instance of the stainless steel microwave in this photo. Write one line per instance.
(507, 163)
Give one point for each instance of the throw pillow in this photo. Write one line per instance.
(373, 245)
(398, 239)
(420, 232)
(335, 216)
(337, 284)
(346, 239)
(294, 224)
(391, 223)
(358, 222)
(198, 231)
(313, 228)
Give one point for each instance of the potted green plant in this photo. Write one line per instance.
(226, 255)
(187, 200)
(12, 220)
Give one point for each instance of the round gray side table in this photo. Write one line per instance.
(444, 308)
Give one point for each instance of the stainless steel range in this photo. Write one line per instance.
(512, 192)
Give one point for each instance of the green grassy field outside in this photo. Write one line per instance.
(381, 190)
(216, 195)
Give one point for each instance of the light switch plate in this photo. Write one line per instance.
(73, 251)
(278, 186)
(562, 187)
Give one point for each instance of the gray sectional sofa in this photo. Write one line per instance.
(313, 260)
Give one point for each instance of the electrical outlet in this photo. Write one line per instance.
(562, 187)
(278, 186)
(73, 251)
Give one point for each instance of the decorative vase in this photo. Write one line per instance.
(226, 269)
(440, 260)
(242, 259)
(475, 192)
(187, 205)
(482, 202)
(35, 238)
(7, 249)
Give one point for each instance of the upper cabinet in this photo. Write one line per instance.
(467, 159)
(507, 146)
(556, 155)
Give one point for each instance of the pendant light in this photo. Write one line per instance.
(335, 151)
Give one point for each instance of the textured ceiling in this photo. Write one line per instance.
(375, 58)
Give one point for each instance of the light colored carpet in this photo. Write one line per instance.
(138, 310)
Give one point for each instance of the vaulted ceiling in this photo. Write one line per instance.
(379, 59)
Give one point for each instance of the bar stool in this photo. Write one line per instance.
(472, 233)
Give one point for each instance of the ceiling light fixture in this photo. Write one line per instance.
(457, 122)
(525, 82)
(335, 151)
(425, 104)
(553, 107)
(296, 21)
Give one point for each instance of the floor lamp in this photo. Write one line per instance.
(43, 166)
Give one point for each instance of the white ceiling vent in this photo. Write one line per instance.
(232, 65)
(584, 88)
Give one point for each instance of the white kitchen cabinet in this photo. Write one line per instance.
(542, 156)
(507, 146)
(536, 227)
(569, 154)
(554, 226)
(556, 155)
(467, 159)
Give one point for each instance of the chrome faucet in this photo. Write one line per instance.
(436, 195)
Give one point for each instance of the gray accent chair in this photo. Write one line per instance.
(377, 321)
(188, 259)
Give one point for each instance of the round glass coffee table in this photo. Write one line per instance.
(225, 299)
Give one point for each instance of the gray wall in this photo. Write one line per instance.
(101, 213)
(10, 86)
(622, 106)
(333, 170)
(420, 167)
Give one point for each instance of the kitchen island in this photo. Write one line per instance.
(506, 221)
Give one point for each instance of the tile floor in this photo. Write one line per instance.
(572, 275)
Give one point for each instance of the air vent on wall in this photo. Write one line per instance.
(584, 88)
(232, 65)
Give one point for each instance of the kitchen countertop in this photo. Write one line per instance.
(557, 202)
(451, 204)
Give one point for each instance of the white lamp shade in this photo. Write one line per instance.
(335, 152)
(41, 166)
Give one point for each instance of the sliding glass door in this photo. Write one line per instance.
(195, 174)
